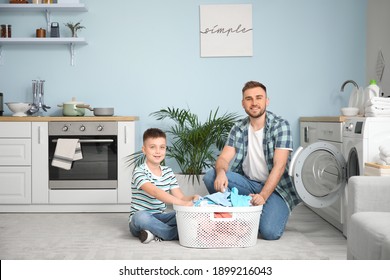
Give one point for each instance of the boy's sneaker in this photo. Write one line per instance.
(146, 236)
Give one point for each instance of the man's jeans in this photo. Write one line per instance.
(162, 225)
(275, 212)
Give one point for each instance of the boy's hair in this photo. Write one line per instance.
(154, 133)
(253, 84)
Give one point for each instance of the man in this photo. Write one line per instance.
(260, 146)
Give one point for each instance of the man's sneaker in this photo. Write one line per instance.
(146, 236)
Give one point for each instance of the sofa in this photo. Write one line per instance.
(368, 218)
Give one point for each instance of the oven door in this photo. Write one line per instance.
(96, 170)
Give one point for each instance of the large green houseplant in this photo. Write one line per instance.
(192, 144)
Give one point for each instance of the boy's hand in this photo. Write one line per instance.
(188, 203)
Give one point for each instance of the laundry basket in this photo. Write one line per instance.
(217, 227)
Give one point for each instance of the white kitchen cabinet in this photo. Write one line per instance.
(330, 132)
(15, 151)
(47, 9)
(39, 163)
(24, 173)
(15, 163)
(126, 146)
(15, 186)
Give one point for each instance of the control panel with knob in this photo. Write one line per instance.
(83, 128)
(349, 127)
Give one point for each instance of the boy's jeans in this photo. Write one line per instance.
(275, 212)
(162, 225)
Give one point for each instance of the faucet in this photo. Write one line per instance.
(348, 81)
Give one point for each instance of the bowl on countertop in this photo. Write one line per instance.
(19, 108)
(349, 111)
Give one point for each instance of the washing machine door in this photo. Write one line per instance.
(319, 174)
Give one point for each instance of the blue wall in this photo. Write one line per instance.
(145, 55)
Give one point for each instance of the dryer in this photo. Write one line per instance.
(320, 171)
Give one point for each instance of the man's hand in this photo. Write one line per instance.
(221, 182)
(257, 199)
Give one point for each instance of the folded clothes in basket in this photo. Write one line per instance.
(67, 151)
(227, 199)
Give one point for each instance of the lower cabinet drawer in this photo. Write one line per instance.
(15, 186)
(15, 152)
(83, 196)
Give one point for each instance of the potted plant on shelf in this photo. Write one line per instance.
(192, 144)
(74, 27)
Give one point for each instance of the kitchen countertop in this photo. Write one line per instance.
(68, 119)
(324, 119)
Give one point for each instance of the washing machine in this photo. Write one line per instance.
(321, 170)
(361, 140)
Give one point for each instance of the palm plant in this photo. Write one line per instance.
(192, 144)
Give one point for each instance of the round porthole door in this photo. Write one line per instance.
(319, 174)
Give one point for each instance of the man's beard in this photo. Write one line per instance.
(258, 115)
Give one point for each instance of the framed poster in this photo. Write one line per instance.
(226, 30)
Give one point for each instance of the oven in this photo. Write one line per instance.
(98, 168)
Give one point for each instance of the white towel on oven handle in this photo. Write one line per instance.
(67, 151)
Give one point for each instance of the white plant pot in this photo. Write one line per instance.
(190, 188)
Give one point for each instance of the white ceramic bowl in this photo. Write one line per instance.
(19, 108)
(349, 111)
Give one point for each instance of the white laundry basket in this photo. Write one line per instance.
(217, 227)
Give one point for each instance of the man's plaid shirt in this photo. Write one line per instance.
(277, 134)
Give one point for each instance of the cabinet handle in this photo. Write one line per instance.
(125, 128)
(306, 134)
(39, 135)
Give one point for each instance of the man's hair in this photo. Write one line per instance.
(253, 84)
(154, 133)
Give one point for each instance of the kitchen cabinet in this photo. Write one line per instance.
(47, 9)
(15, 163)
(24, 170)
(330, 132)
(126, 146)
(39, 163)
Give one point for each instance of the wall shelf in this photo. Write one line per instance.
(42, 41)
(43, 7)
(47, 9)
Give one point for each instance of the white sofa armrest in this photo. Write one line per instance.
(368, 194)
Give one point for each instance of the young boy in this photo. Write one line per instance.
(153, 186)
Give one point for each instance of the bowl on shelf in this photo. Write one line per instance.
(349, 111)
(19, 108)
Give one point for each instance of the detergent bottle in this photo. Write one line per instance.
(373, 89)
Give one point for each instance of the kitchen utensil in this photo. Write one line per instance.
(19, 108)
(73, 108)
(38, 97)
(99, 111)
(55, 29)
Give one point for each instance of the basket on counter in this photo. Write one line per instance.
(217, 227)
